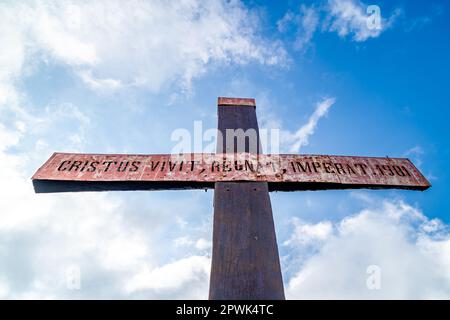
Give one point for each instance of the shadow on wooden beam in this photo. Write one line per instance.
(54, 186)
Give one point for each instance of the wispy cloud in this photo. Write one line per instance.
(416, 153)
(306, 22)
(300, 138)
(419, 22)
(347, 18)
(99, 84)
(350, 17)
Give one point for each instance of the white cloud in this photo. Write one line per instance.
(203, 244)
(41, 234)
(306, 233)
(183, 242)
(350, 17)
(3, 291)
(191, 274)
(146, 44)
(99, 84)
(412, 252)
(300, 138)
(344, 17)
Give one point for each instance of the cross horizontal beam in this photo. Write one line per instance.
(65, 172)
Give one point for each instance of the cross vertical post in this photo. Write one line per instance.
(245, 260)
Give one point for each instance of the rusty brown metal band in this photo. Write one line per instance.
(224, 101)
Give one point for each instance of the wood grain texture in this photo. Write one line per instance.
(245, 255)
(245, 260)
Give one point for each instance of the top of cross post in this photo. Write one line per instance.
(227, 101)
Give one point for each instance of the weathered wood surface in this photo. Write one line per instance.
(245, 255)
(245, 260)
(84, 172)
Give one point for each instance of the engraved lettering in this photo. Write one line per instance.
(339, 168)
(306, 168)
(398, 171)
(388, 168)
(76, 165)
(93, 166)
(84, 166)
(122, 167)
(316, 165)
(350, 169)
(60, 168)
(327, 167)
(362, 167)
(135, 166)
(406, 171)
(249, 165)
(108, 164)
(153, 165)
(215, 165)
(226, 165)
(172, 165)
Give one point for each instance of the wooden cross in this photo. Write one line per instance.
(245, 260)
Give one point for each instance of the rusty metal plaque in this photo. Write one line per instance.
(96, 172)
(224, 101)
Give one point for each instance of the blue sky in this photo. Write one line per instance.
(104, 77)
